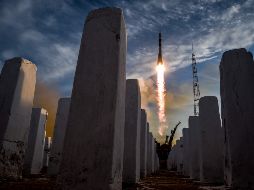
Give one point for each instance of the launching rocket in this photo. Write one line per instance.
(159, 61)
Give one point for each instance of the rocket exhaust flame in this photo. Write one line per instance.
(161, 91)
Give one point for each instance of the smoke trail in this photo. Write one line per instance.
(46, 96)
(161, 91)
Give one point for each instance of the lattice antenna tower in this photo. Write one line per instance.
(196, 91)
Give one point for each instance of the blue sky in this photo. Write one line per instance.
(48, 33)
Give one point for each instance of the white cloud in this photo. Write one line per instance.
(61, 64)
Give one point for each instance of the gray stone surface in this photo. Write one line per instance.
(47, 148)
(171, 162)
(186, 149)
(59, 134)
(152, 154)
(149, 150)
(131, 159)
(237, 108)
(156, 159)
(194, 138)
(93, 147)
(179, 146)
(143, 144)
(36, 142)
(17, 86)
(211, 146)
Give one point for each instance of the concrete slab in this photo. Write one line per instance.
(17, 86)
(211, 146)
(93, 147)
(194, 138)
(172, 165)
(47, 150)
(149, 150)
(179, 145)
(131, 159)
(59, 134)
(153, 152)
(156, 159)
(36, 142)
(237, 108)
(186, 149)
(143, 144)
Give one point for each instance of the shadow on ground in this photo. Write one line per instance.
(162, 180)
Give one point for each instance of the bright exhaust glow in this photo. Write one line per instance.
(161, 91)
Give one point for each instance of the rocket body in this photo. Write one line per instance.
(160, 61)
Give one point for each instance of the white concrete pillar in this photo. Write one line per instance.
(47, 147)
(131, 159)
(17, 86)
(237, 108)
(149, 149)
(153, 152)
(94, 139)
(172, 159)
(211, 146)
(36, 142)
(180, 155)
(186, 149)
(194, 139)
(169, 160)
(143, 144)
(155, 158)
(58, 137)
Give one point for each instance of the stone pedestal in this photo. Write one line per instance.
(93, 147)
(211, 141)
(131, 161)
(237, 108)
(194, 139)
(59, 134)
(143, 144)
(17, 86)
(36, 142)
(186, 149)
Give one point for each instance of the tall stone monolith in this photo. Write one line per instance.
(36, 142)
(131, 159)
(237, 107)
(47, 150)
(194, 139)
(17, 86)
(156, 159)
(186, 149)
(143, 144)
(153, 152)
(171, 162)
(179, 145)
(149, 152)
(211, 141)
(59, 134)
(94, 139)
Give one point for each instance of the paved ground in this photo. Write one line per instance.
(163, 180)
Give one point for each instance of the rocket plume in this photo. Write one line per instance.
(161, 91)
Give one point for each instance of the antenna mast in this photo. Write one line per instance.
(196, 91)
